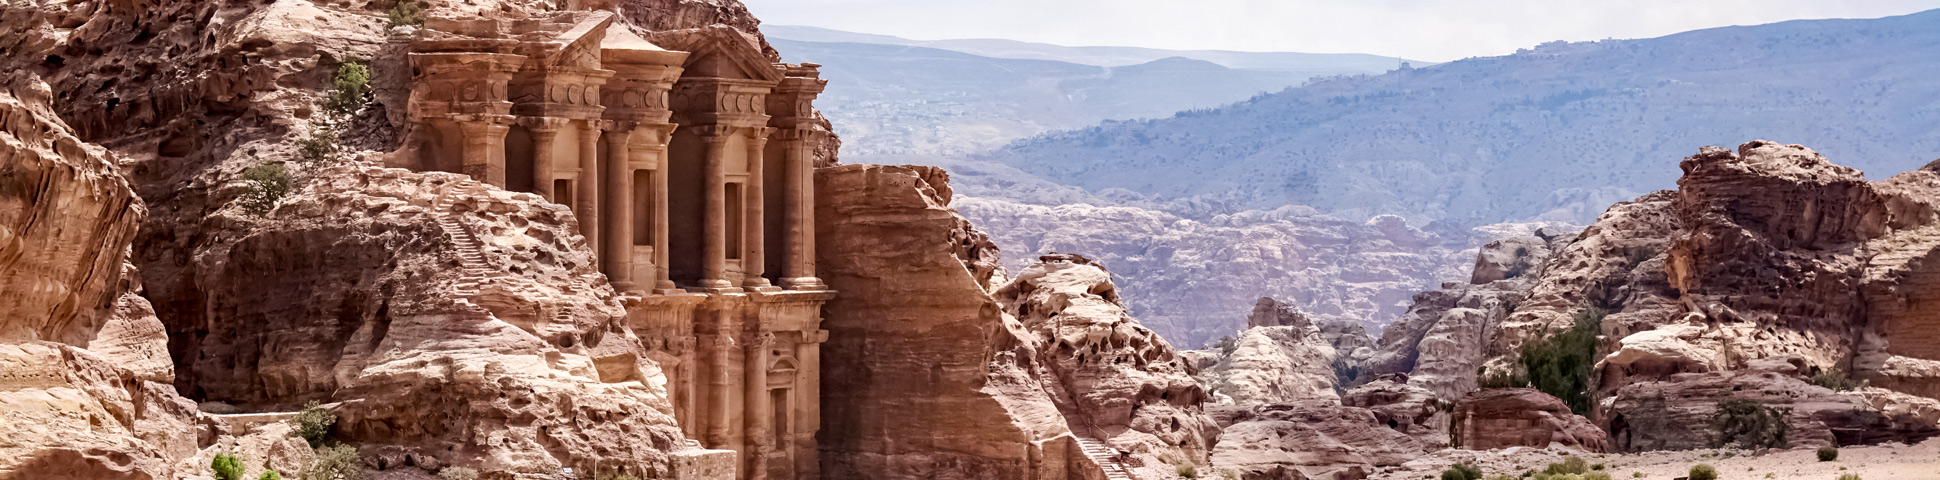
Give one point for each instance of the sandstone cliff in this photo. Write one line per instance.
(83, 362)
(934, 369)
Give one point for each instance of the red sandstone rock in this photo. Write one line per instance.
(1512, 417)
(1676, 414)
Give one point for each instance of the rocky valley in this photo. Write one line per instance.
(616, 239)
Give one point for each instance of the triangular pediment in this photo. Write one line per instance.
(719, 51)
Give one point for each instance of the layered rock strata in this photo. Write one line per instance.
(932, 368)
(1522, 417)
(83, 370)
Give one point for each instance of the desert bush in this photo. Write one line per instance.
(1596, 476)
(1703, 472)
(1462, 471)
(264, 185)
(1827, 454)
(270, 475)
(1570, 465)
(1836, 380)
(314, 422)
(1560, 363)
(458, 473)
(1596, 466)
(226, 467)
(1187, 471)
(336, 462)
(320, 145)
(347, 89)
(1750, 425)
(407, 12)
(1501, 379)
(1226, 345)
(1849, 476)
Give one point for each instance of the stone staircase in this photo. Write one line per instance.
(1106, 457)
(471, 254)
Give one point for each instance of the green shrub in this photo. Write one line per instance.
(1836, 380)
(1596, 466)
(1849, 476)
(1596, 476)
(1703, 472)
(1501, 379)
(458, 473)
(1750, 425)
(336, 462)
(1827, 454)
(270, 475)
(1560, 364)
(1571, 465)
(1188, 471)
(320, 145)
(1226, 345)
(1462, 471)
(314, 422)
(347, 89)
(407, 12)
(264, 185)
(226, 467)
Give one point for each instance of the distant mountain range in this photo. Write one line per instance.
(1556, 132)
(893, 95)
(1301, 64)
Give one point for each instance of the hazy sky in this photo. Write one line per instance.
(1434, 30)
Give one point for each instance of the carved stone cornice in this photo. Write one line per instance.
(720, 101)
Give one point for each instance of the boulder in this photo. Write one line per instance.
(1678, 414)
(1315, 438)
(1522, 417)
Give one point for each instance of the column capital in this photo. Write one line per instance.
(756, 340)
(618, 125)
(760, 134)
(544, 125)
(714, 132)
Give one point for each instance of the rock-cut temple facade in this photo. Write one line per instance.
(686, 157)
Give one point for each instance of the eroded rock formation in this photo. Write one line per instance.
(83, 380)
(934, 369)
(1522, 417)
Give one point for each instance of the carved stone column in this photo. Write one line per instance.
(808, 371)
(587, 191)
(717, 394)
(545, 131)
(760, 415)
(753, 259)
(714, 222)
(662, 255)
(484, 154)
(798, 271)
(616, 258)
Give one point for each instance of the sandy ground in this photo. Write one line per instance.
(1882, 462)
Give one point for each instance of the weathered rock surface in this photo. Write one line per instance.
(1316, 438)
(66, 219)
(1283, 357)
(1676, 414)
(1405, 408)
(1124, 383)
(1438, 342)
(1522, 417)
(488, 341)
(933, 370)
(923, 375)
